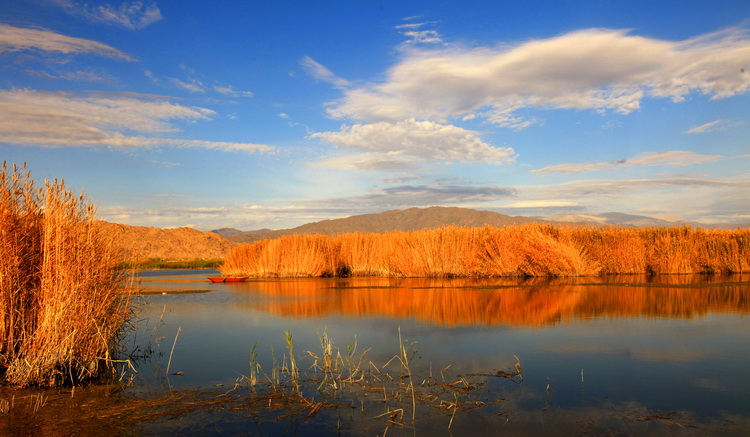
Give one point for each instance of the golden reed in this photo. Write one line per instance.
(62, 302)
(520, 250)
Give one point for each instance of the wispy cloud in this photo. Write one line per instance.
(322, 73)
(193, 85)
(35, 118)
(228, 90)
(423, 140)
(19, 39)
(596, 69)
(417, 35)
(712, 126)
(129, 15)
(542, 204)
(675, 158)
(369, 162)
(407, 196)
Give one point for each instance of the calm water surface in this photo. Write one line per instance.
(603, 356)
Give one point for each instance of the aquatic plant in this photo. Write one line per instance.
(530, 250)
(62, 297)
(350, 381)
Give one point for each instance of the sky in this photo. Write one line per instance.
(274, 114)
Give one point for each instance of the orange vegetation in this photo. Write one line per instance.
(520, 250)
(61, 302)
(453, 302)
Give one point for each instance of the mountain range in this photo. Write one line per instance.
(434, 216)
(187, 243)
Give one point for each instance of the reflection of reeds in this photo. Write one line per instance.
(61, 303)
(534, 302)
(525, 250)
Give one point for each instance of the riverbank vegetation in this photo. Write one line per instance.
(168, 264)
(527, 250)
(62, 297)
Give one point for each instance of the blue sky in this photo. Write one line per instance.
(275, 114)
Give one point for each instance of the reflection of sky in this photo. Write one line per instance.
(693, 363)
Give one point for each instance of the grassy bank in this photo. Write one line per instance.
(522, 250)
(166, 264)
(61, 293)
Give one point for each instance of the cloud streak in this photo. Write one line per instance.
(675, 158)
(17, 39)
(594, 69)
(322, 73)
(48, 119)
(129, 15)
(713, 126)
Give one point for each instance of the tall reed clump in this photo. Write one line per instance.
(286, 257)
(62, 300)
(522, 250)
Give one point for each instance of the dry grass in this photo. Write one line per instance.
(521, 250)
(61, 293)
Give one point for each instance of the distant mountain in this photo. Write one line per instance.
(396, 220)
(616, 218)
(172, 244)
(620, 219)
(230, 232)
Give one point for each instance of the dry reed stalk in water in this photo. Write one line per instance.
(62, 296)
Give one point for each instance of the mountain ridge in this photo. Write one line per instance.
(435, 216)
(410, 219)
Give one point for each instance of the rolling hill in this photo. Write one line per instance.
(173, 244)
(396, 220)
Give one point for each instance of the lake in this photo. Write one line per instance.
(626, 355)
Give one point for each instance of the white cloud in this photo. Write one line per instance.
(422, 36)
(417, 35)
(541, 204)
(16, 39)
(35, 118)
(713, 126)
(322, 73)
(408, 196)
(595, 69)
(130, 15)
(369, 162)
(676, 158)
(196, 86)
(229, 90)
(424, 140)
(191, 85)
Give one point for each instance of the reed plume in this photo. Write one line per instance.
(62, 303)
(527, 250)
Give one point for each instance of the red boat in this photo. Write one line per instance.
(227, 279)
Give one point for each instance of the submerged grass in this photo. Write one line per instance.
(521, 251)
(62, 302)
(336, 380)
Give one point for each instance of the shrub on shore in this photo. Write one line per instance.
(520, 250)
(62, 299)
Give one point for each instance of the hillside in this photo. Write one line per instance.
(173, 244)
(396, 220)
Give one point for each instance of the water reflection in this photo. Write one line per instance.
(522, 303)
(605, 356)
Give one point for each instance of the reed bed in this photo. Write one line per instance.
(62, 303)
(530, 250)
